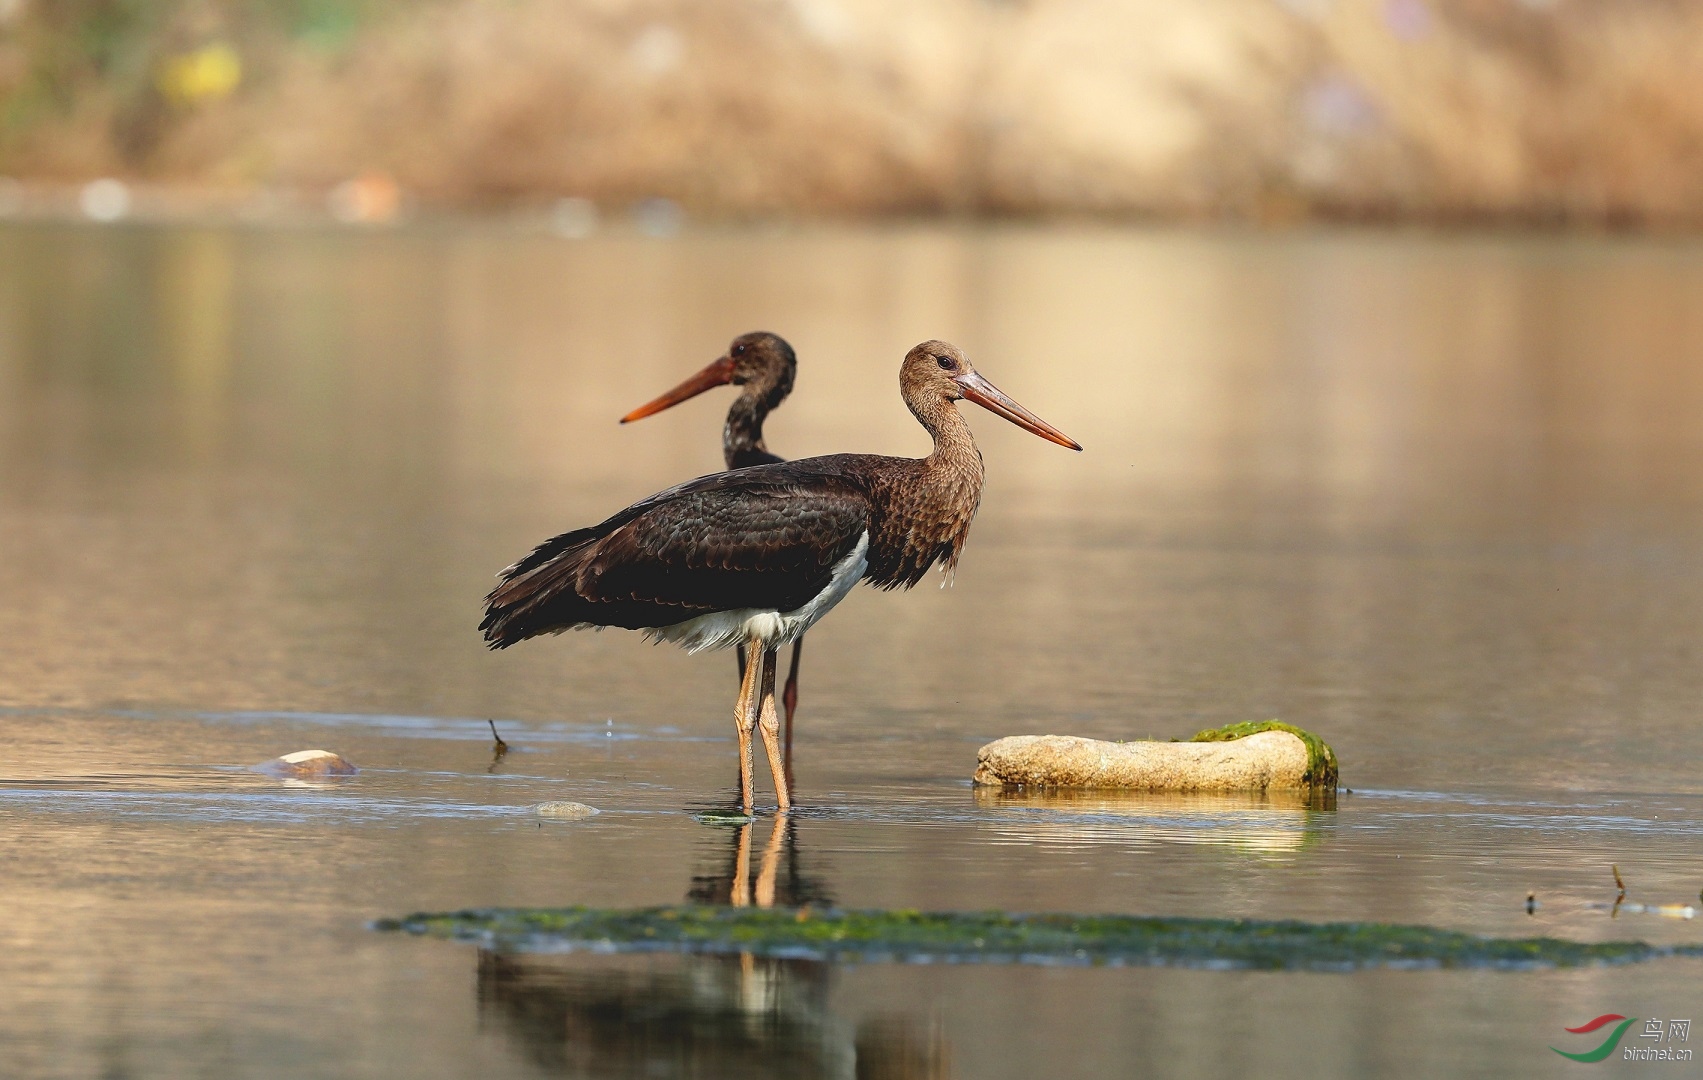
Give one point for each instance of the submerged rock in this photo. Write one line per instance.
(1242, 757)
(308, 765)
(566, 811)
(724, 816)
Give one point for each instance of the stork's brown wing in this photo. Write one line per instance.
(765, 538)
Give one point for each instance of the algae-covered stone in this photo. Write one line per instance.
(566, 811)
(1243, 757)
(999, 937)
(1321, 759)
(308, 765)
(721, 816)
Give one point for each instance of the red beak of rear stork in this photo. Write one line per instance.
(977, 389)
(720, 373)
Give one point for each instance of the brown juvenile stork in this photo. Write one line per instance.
(763, 366)
(757, 556)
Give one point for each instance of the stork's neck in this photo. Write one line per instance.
(742, 436)
(926, 504)
(953, 473)
(955, 453)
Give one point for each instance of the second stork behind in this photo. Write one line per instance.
(763, 366)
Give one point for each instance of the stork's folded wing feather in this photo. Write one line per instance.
(733, 540)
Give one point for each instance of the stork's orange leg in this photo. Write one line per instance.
(745, 718)
(770, 725)
(789, 701)
(739, 651)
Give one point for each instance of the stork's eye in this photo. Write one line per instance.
(946, 363)
(739, 349)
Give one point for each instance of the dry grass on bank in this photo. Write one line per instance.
(1585, 110)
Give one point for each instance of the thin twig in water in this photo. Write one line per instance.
(498, 750)
(1621, 885)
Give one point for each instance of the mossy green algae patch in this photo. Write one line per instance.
(914, 936)
(1321, 759)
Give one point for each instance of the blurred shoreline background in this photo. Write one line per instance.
(1564, 112)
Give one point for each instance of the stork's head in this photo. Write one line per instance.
(935, 371)
(761, 361)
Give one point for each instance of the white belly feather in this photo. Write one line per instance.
(721, 629)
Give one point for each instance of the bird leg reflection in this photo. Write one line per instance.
(771, 865)
(741, 893)
(745, 718)
(770, 725)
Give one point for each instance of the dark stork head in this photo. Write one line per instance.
(761, 362)
(935, 373)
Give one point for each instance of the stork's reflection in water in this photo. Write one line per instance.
(668, 1015)
(780, 876)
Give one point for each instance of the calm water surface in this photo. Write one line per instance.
(1440, 500)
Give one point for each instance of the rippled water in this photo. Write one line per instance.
(1440, 500)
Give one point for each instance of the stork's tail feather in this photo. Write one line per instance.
(536, 592)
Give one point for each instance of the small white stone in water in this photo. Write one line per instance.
(566, 811)
(308, 763)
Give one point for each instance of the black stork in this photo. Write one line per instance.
(757, 556)
(763, 366)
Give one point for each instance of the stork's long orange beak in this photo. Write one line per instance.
(717, 374)
(990, 397)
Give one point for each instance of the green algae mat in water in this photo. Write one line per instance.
(1000, 938)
